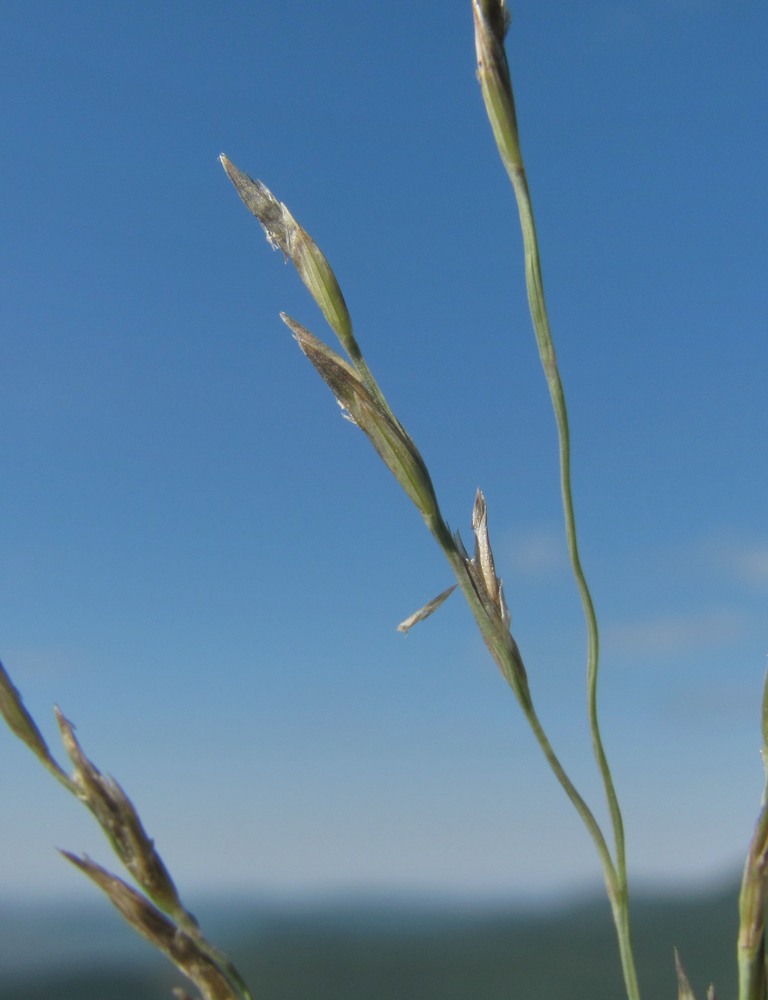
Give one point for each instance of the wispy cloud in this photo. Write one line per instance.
(748, 562)
(679, 633)
(744, 561)
(720, 556)
(536, 553)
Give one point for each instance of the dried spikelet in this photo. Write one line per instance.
(426, 611)
(20, 722)
(285, 233)
(187, 953)
(491, 23)
(482, 567)
(365, 409)
(118, 818)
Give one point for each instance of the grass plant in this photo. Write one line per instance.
(153, 905)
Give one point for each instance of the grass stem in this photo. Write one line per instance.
(491, 24)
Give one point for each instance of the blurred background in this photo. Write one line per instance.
(204, 566)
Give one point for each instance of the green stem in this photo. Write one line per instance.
(754, 893)
(554, 382)
(752, 901)
(491, 23)
(593, 828)
(504, 650)
(537, 304)
(615, 884)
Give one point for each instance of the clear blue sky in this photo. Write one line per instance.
(204, 565)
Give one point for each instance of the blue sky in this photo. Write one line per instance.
(204, 566)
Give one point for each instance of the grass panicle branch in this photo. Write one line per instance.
(188, 952)
(156, 911)
(363, 401)
(117, 816)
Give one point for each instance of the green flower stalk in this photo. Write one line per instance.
(491, 20)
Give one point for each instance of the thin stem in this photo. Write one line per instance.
(554, 382)
(537, 304)
(492, 20)
(615, 885)
(754, 893)
(593, 828)
(504, 650)
(752, 901)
